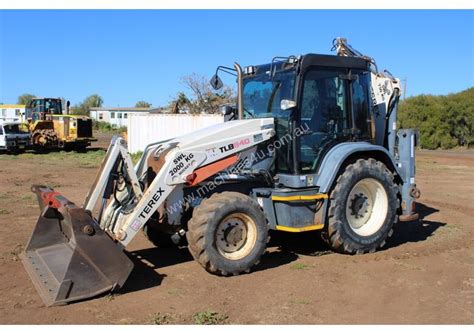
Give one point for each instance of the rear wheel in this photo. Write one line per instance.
(227, 233)
(363, 208)
(78, 147)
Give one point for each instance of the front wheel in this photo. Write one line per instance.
(227, 233)
(157, 237)
(363, 208)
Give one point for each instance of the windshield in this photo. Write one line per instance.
(15, 129)
(262, 95)
(52, 106)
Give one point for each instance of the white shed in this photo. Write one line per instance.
(117, 117)
(144, 129)
(11, 112)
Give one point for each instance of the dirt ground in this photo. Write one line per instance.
(425, 273)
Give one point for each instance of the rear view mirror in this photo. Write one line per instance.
(216, 82)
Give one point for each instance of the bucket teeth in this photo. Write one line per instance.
(69, 257)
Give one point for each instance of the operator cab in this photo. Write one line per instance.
(39, 108)
(317, 101)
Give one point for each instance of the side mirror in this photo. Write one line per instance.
(287, 104)
(216, 82)
(228, 111)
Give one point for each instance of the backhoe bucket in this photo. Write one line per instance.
(68, 256)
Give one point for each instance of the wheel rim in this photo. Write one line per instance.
(367, 207)
(236, 236)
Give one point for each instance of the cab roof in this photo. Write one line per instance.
(319, 60)
(334, 61)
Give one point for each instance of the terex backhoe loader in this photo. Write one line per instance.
(311, 145)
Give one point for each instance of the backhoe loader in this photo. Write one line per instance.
(312, 144)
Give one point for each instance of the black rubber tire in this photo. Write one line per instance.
(77, 147)
(202, 228)
(158, 238)
(340, 235)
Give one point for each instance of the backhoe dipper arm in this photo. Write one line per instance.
(344, 49)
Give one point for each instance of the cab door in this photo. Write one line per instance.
(324, 115)
(334, 108)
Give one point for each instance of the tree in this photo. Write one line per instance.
(25, 98)
(205, 98)
(92, 101)
(142, 104)
(180, 103)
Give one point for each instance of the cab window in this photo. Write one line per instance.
(361, 103)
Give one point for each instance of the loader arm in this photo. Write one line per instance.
(176, 162)
(73, 255)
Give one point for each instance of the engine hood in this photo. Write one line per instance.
(223, 130)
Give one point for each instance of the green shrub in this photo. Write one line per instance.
(107, 127)
(161, 319)
(136, 156)
(210, 318)
(444, 121)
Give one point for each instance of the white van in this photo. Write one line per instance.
(14, 136)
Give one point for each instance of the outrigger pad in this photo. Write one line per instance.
(68, 256)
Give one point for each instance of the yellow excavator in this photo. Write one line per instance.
(51, 128)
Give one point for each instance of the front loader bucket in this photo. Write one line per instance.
(68, 256)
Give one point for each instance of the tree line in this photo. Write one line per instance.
(444, 121)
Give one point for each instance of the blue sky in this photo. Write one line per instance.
(132, 55)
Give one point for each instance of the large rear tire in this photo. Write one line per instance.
(227, 233)
(362, 208)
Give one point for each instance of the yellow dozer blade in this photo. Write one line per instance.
(69, 257)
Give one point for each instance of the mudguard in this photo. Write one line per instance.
(337, 155)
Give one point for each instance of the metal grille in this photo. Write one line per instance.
(84, 128)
